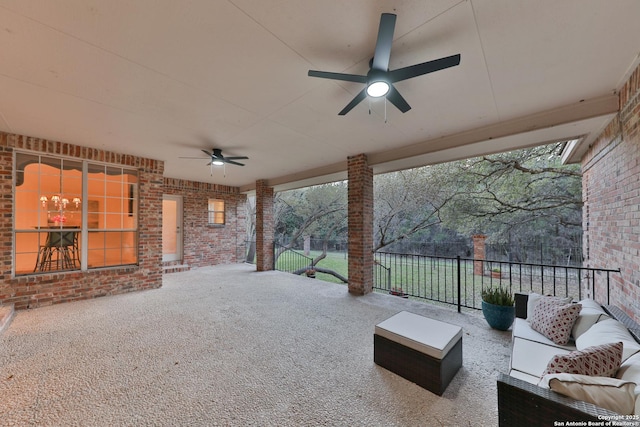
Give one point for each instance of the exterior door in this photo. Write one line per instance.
(171, 228)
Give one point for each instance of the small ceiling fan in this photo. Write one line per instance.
(217, 159)
(380, 79)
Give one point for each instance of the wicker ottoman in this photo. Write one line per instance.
(425, 351)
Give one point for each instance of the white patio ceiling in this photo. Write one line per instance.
(164, 79)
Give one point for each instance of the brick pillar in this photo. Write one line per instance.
(264, 226)
(307, 245)
(360, 222)
(478, 253)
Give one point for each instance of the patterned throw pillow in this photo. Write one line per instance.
(597, 361)
(554, 320)
(534, 298)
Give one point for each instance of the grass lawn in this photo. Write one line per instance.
(336, 261)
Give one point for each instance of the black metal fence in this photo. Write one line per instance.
(560, 253)
(563, 253)
(460, 281)
(290, 260)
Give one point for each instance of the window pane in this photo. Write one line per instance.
(26, 251)
(113, 220)
(95, 187)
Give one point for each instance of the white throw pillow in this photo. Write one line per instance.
(590, 314)
(609, 331)
(630, 370)
(610, 393)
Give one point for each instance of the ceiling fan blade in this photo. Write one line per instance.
(383, 45)
(236, 158)
(396, 99)
(207, 153)
(355, 101)
(226, 160)
(197, 158)
(424, 68)
(338, 76)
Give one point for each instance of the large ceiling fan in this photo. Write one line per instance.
(380, 79)
(217, 159)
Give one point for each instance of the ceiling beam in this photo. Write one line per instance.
(582, 110)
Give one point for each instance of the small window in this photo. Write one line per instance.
(216, 212)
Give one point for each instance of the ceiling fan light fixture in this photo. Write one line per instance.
(378, 88)
(217, 162)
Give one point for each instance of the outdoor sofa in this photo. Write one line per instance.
(523, 399)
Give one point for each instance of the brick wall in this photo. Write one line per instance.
(360, 221)
(611, 192)
(204, 244)
(45, 289)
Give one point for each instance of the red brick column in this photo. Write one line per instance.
(360, 222)
(478, 253)
(264, 226)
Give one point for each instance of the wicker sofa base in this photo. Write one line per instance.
(426, 371)
(523, 404)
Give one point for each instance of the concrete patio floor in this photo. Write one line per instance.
(229, 346)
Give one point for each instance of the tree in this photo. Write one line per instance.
(526, 193)
(319, 210)
(408, 202)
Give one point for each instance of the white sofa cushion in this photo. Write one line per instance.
(609, 331)
(610, 393)
(630, 370)
(532, 379)
(530, 352)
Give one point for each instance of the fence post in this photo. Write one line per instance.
(459, 282)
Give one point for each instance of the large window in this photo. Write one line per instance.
(72, 214)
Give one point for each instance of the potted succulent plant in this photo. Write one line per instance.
(498, 307)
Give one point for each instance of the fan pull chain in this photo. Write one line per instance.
(385, 110)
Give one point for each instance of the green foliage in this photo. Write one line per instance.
(320, 211)
(526, 195)
(497, 296)
(407, 203)
(520, 199)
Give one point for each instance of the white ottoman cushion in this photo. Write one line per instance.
(428, 336)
